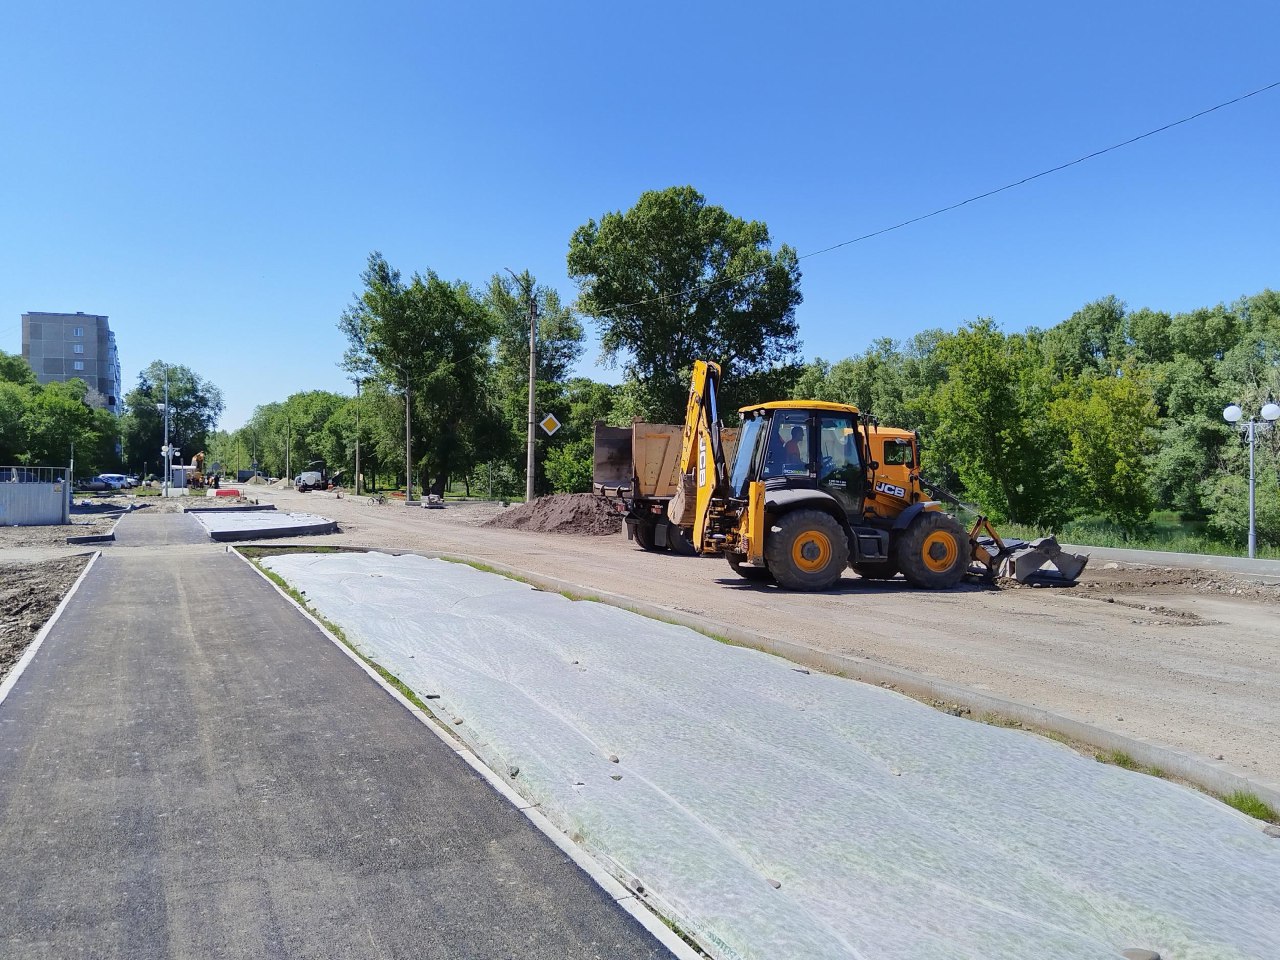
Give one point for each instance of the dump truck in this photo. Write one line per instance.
(637, 468)
(813, 487)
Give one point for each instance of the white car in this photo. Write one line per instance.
(118, 481)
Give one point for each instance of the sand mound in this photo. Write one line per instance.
(257, 481)
(284, 483)
(580, 513)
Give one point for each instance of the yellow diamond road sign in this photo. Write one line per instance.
(550, 424)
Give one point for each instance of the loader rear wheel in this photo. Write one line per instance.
(933, 552)
(807, 550)
(748, 571)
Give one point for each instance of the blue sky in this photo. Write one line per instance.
(212, 176)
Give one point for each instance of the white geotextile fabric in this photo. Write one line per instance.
(894, 831)
(269, 521)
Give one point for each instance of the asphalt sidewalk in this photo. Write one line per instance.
(189, 768)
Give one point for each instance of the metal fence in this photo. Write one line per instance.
(33, 496)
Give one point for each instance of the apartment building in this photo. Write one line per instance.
(66, 346)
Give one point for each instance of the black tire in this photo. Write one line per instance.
(644, 536)
(933, 552)
(748, 571)
(877, 571)
(807, 550)
(679, 542)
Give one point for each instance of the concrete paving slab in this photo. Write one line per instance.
(229, 526)
(190, 769)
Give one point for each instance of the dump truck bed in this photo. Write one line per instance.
(643, 460)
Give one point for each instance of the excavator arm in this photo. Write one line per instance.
(703, 469)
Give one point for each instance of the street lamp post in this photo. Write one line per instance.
(164, 481)
(1270, 413)
(357, 436)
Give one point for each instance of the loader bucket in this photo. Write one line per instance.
(1041, 561)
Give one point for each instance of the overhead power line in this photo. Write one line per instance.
(709, 284)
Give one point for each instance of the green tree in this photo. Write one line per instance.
(195, 404)
(993, 428)
(15, 369)
(1108, 423)
(675, 279)
(431, 339)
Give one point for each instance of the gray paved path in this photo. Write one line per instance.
(188, 768)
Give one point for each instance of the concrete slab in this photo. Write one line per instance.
(226, 526)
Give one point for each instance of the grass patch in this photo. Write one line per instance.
(1251, 806)
(1118, 758)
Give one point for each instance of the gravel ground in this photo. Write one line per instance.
(29, 592)
(1175, 657)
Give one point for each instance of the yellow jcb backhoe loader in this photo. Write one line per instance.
(816, 486)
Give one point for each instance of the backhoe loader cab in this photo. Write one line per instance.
(815, 487)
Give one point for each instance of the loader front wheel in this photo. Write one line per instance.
(806, 550)
(748, 571)
(933, 552)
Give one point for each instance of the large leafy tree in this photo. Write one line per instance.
(195, 404)
(675, 279)
(431, 340)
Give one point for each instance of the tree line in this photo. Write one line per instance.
(1111, 414)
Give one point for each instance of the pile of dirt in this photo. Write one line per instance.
(284, 483)
(1121, 579)
(257, 481)
(578, 513)
(29, 592)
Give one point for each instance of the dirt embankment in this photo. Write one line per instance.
(578, 513)
(29, 592)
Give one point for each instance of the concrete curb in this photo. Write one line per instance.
(311, 529)
(1211, 776)
(238, 508)
(625, 898)
(99, 537)
(29, 654)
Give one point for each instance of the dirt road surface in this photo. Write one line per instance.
(1175, 657)
(29, 592)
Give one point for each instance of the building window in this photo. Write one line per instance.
(77, 331)
(78, 348)
(79, 364)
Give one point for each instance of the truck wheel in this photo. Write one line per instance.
(933, 552)
(877, 571)
(746, 570)
(643, 533)
(807, 550)
(679, 541)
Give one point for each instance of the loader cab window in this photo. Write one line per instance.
(748, 440)
(899, 453)
(789, 453)
(840, 467)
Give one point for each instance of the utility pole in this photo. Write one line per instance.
(288, 448)
(357, 484)
(408, 446)
(533, 378)
(164, 484)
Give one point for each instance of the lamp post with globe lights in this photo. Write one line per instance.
(1233, 414)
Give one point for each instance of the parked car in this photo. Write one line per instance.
(92, 483)
(118, 480)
